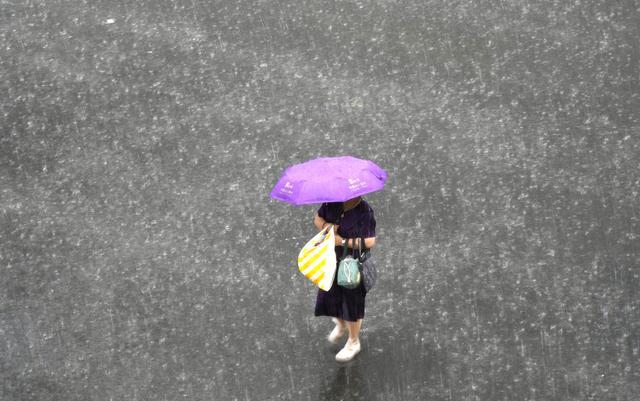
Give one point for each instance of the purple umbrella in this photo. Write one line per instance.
(328, 179)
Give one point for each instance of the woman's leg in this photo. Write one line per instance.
(352, 347)
(354, 330)
(337, 331)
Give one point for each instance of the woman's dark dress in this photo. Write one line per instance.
(358, 222)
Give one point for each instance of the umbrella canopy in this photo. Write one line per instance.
(328, 179)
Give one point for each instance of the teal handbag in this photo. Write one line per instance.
(348, 270)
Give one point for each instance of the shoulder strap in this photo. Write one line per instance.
(363, 246)
(361, 242)
(353, 247)
(345, 248)
(370, 215)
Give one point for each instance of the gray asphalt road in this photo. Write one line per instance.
(142, 258)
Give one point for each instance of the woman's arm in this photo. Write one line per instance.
(368, 242)
(319, 222)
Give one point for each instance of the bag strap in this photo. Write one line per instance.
(346, 243)
(344, 249)
(363, 246)
(360, 243)
(353, 240)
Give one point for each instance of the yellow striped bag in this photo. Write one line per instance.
(317, 259)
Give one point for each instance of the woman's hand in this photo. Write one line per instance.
(334, 227)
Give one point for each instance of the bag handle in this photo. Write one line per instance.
(353, 243)
(344, 249)
(363, 246)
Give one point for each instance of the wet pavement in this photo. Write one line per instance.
(142, 258)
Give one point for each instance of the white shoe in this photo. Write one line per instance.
(336, 333)
(350, 350)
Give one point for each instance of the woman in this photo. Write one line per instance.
(353, 221)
